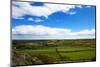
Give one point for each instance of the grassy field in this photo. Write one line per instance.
(53, 51)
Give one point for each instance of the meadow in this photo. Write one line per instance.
(38, 52)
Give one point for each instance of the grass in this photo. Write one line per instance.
(78, 56)
(67, 53)
(54, 54)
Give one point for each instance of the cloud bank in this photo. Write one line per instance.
(44, 32)
(20, 9)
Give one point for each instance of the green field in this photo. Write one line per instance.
(53, 51)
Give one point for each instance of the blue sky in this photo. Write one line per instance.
(57, 21)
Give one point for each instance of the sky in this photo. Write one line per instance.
(38, 20)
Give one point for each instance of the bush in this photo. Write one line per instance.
(47, 58)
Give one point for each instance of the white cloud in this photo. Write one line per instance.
(90, 2)
(38, 20)
(35, 19)
(30, 19)
(85, 32)
(72, 13)
(19, 9)
(43, 32)
(39, 30)
(88, 6)
(79, 6)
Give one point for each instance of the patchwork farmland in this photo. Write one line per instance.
(35, 52)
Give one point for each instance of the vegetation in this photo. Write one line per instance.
(27, 52)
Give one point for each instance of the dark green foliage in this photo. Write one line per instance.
(31, 44)
(45, 58)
